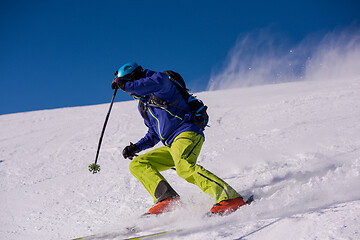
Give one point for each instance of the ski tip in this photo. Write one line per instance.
(81, 238)
(250, 200)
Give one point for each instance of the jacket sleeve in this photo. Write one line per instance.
(153, 82)
(149, 140)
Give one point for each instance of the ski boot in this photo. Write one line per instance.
(166, 205)
(227, 206)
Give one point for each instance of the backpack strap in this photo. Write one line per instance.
(143, 110)
(176, 78)
(156, 101)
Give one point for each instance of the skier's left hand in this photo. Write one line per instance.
(118, 82)
(130, 151)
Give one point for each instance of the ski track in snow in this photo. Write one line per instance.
(295, 146)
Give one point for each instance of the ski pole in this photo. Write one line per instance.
(94, 167)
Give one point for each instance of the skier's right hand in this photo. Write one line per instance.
(130, 151)
(118, 82)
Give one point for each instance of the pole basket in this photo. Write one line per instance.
(94, 168)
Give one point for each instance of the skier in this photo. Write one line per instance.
(182, 141)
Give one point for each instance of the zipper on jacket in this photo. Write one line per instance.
(157, 122)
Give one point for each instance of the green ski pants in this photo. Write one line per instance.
(182, 154)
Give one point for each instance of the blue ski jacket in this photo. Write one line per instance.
(165, 123)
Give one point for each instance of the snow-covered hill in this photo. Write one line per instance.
(295, 146)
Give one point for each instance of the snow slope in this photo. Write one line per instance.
(295, 146)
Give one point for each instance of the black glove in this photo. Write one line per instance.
(130, 151)
(118, 82)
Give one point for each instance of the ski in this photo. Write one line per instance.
(134, 230)
(95, 236)
(158, 234)
(99, 236)
(126, 236)
(110, 235)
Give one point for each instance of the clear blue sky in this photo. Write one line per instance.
(63, 53)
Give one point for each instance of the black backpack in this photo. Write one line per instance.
(197, 107)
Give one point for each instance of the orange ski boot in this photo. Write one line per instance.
(227, 206)
(167, 205)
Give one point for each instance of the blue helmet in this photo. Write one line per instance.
(127, 69)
